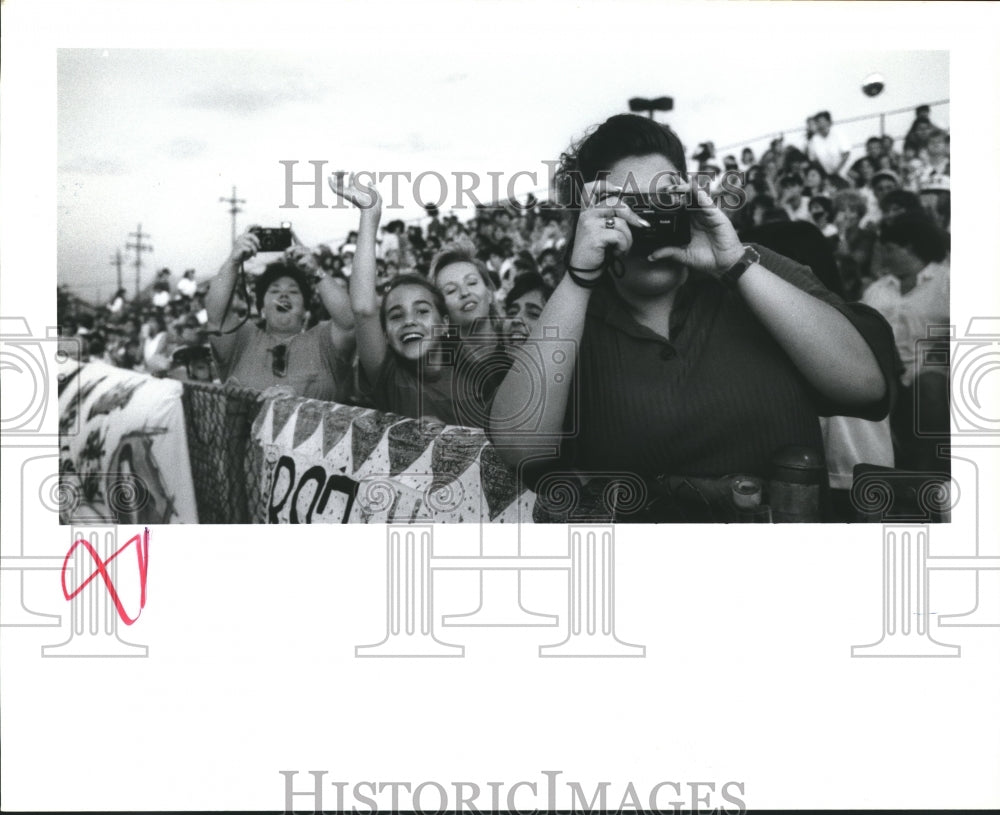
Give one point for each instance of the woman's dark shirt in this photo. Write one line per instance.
(719, 397)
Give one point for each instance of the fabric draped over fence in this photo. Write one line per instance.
(218, 455)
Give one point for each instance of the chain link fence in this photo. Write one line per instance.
(225, 462)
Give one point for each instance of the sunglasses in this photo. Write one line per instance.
(279, 360)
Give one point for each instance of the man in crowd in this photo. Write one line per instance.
(913, 296)
(825, 146)
(187, 286)
(792, 199)
(524, 304)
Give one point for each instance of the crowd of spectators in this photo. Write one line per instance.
(883, 220)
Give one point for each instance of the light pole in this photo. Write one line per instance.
(662, 103)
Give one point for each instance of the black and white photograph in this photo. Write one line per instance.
(652, 308)
(614, 337)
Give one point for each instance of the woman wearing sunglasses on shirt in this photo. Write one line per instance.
(277, 355)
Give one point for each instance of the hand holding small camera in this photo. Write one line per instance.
(603, 227)
(247, 245)
(715, 247)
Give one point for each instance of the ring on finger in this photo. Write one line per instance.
(609, 223)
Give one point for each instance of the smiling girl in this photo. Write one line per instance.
(405, 355)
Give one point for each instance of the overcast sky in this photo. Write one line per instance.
(158, 136)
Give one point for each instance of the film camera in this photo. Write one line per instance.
(670, 222)
(273, 239)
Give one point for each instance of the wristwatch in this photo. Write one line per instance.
(732, 275)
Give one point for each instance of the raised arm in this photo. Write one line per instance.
(363, 300)
(821, 342)
(221, 294)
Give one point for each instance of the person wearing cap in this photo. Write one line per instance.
(881, 184)
(192, 363)
(279, 356)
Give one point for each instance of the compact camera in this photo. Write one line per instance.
(273, 239)
(669, 219)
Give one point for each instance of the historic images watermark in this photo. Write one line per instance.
(534, 795)
(911, 503)
(100, 588)
(465, 190)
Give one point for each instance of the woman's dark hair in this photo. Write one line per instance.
(623, 136)
(530, 281)
(904, 199)
(815, 165)
(917, 232)
(413, 280)
(793, 157)
(802, 242)
(154, 317)
(276, 271)
(525, 262)
(825, 203)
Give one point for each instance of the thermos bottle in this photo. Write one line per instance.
(798, 485)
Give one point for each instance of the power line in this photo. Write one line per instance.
(116, 261)
(233, 211)
(139, 248)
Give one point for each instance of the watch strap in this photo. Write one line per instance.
(734, 272)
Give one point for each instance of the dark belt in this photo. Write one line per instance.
(629, 499)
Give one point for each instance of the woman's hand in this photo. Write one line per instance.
(364, 198)
(247, 245)
(603, 227)
(714, 246)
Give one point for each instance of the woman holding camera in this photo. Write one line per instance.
(685, 361)
(278, 356)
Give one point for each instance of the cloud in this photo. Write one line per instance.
(248, 100)
(94, 165)
(412, 143)
(184, 148)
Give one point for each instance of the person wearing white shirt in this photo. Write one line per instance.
(826, 147)
(912, 297)
(792, 199)
(187, 285)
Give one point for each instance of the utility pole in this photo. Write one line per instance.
(139, 248)
(116, 261)
(233, 210)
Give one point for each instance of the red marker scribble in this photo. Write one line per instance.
(142, 556)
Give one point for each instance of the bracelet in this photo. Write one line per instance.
(584, 282)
